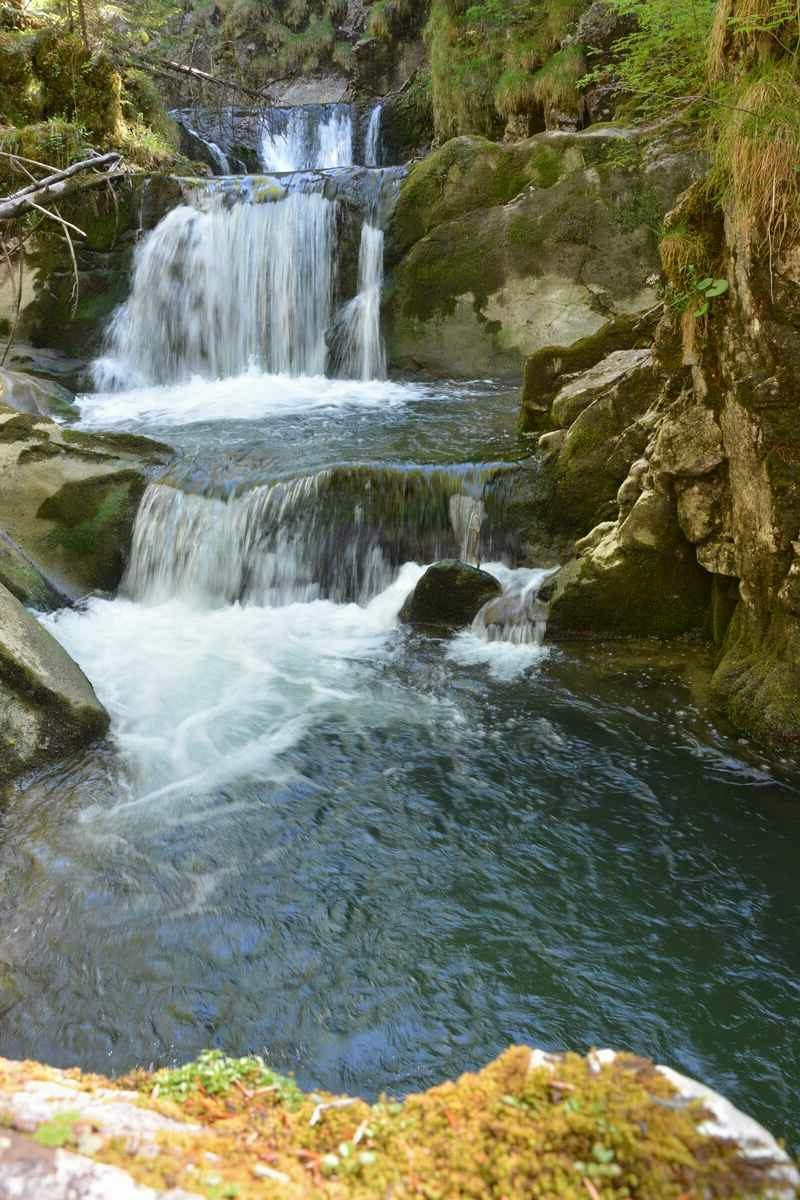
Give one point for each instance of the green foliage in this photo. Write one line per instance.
(18, 99)
(59, 1131)
(698, 294)
(663, 61)
(392, 19)
(216, 1074)
(484, 59)
(555, 85)
(755, 141)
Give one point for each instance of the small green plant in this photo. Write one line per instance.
(216, 1074)
(59, 1131)
(698, 294)
(601, 1165)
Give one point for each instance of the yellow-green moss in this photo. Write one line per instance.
(517, 1130)
(78, 85)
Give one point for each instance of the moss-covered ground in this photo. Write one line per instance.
(523, 1127)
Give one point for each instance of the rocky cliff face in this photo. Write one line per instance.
(680, 468)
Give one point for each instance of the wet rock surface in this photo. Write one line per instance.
(47, 705)
(449, 596)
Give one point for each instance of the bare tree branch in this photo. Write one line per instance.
(52, 186)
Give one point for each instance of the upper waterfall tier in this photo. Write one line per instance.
(295, 139)
(281, 138)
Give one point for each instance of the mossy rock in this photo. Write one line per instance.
(757, 681)
(40, 397)
(449, 596)
(531, 1124)
(407, 120)
(48, 705)
(91, 523)
(634, 593)
(24, 580)
(77, 84)
(17, 95)
(465, 174)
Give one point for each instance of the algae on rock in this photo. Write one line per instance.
(68, 500)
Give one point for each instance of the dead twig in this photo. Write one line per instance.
(321, 1108)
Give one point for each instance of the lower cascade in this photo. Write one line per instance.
(342, 534)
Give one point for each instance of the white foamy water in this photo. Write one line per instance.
(507, 635)
(360, 352)
(372, 141)
(203, 693)
(201, 696)
(303, 138)
(216, 290)
(244, 397)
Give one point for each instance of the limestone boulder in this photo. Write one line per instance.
(498, 252)
(579, 392)
(610, 432)
(68, 500)
(47, 705)
(638, 579)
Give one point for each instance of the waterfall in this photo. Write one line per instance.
(216, 291)
(341, 534)
(372, 141)
(357, 348)
(518, 616)
(306, 137)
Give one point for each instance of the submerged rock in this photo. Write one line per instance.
(47, 705)
(449, 596)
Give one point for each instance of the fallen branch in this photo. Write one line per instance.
(52, 187)
(200, 76)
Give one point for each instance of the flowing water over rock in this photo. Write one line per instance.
(376, 858)
(372, 140)
(217, 290)
(295, 139)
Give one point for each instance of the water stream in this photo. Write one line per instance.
(374, 857)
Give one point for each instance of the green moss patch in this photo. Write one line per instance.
(91, 525)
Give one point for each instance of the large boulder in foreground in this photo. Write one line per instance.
(449, 596)
(47, 705)
(526, 1125)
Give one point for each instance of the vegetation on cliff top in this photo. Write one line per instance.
(526, 1126)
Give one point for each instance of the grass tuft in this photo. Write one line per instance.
(757, 154)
